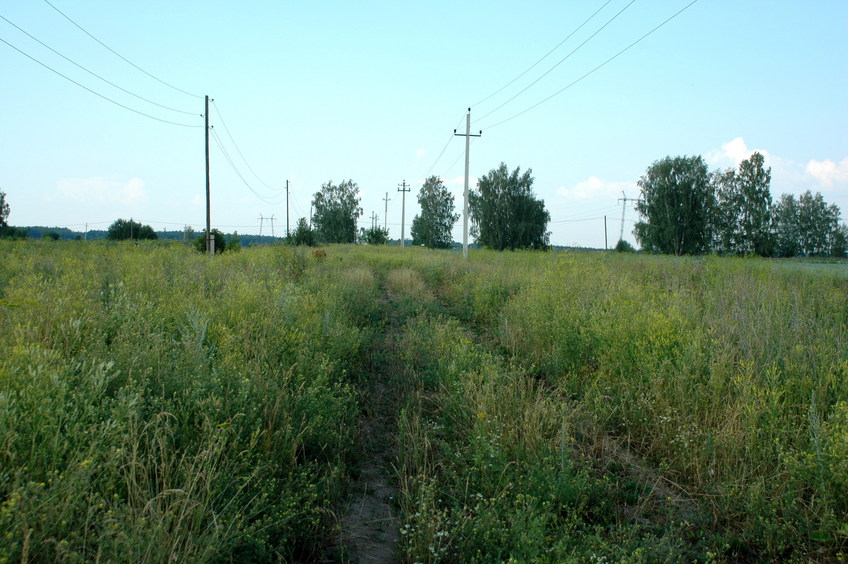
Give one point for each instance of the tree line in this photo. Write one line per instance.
(504, 212)
(687, 210)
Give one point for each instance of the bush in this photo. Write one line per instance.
(220, 242)
(123, 229)
(624, 247)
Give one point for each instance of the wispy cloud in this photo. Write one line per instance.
(595, 187)
(827, 172)
(787, 176)
(102, 190)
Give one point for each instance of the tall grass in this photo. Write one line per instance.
(158, 405)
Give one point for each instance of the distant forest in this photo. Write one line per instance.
(39, 232)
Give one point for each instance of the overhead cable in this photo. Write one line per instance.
(119, 55)
(94, 92)
(237, 171)
(545, 56)
(558, 92)
(227, 129)
(451, 136)
(92, 72)
(546, 73)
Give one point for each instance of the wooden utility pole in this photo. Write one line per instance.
(403, 188)
(468, 137)
(606, 245)
(386, 200)
(210, 240)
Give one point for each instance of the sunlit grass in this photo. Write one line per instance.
(157, 404)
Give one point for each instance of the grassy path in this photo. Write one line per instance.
(370, 525)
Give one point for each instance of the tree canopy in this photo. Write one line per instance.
(743, 222)
(336, 209)
(303, 234)
(374, 235)
(687, 210)
(505, 214)
(808, 226)
(676, 205)
(6, 230)
(220, 242)
(434, 226)
(4, 210)
(123, 229)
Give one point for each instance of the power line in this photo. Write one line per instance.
(453, 164)
(92, 72)
(575, 220)
(227, 129)
(93, 92)
(444, 149)
(558, 92)
(119, 55)
(545, 56)
(237, 171)
(560, 61)
(473, 140)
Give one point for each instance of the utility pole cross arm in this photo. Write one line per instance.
(404, 187)
(468, 135)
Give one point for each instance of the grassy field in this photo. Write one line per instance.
(156, 404)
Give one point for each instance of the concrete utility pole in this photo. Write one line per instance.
(210, 240)
(606, 245)
(403, 188)
(386, 210)
(287, 208)
(468, 137)
(271, 219)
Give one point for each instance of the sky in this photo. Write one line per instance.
(585, 94)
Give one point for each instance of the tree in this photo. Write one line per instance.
(433, 228)
(123, 229)
(505, 214)
(303, 234)
(808, 226)
(624, 247)
(220, 242)
(374, 236)
(233, 242)
(4, 210)
(787, 239)
(5, 229)
(839, 242)
(336, 209)
(743, 222)
(676, 206)
(817, 222)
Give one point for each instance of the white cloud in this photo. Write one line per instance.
(102, 190)
(787, 176)
(827, 172)
(595, 187)
(734, 152)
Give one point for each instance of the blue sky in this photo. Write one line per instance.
(326, 91)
